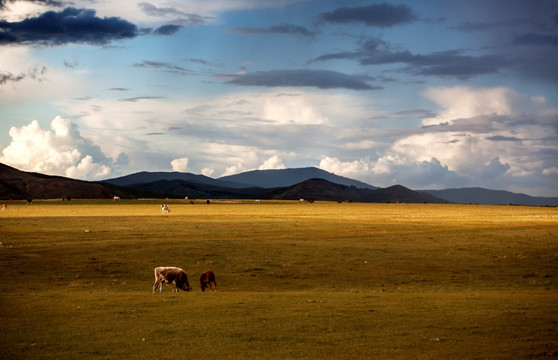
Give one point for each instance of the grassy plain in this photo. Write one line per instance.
(296, 281)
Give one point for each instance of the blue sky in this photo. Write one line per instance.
(427, 94)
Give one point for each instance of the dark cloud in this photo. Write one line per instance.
(322, 79)
(70, 25)
(71, 64)
(503, 138)
(183, 18)
(167, 29)
(379, 15)
(451, 63)
(168, 67)
(536, 39)
(35, 73)
(281, 29)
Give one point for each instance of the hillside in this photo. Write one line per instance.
(145, 177)
(21, 185)
(485, 196)
(288, 177)
(320, 189)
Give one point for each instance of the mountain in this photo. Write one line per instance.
(288, 177)
(193, 190)
(320, 189)
(149, 177)
(495, 197)
(21, 185)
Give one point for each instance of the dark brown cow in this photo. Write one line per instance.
(169, 275)
(206, 280)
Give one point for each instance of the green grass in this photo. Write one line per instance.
(296, 281)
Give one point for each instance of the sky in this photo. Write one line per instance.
(430, 94)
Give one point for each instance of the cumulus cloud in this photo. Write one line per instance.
(490, 136)
(352, 169)
(273, 162)
(180, 165)
(59, 151)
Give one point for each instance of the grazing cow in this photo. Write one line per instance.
(169, 275)
(4, 207)
(116, 198)
(207, 279)
(165, 209)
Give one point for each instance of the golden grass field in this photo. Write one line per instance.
(295, 281)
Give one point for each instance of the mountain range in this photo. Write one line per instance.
(288, 184)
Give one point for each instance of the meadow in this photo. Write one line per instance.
(295, 281)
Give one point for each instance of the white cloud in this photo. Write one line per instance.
(88, 169)
(295, 109)
(550, 171)
(32, 79)
(180, 165)
(352, 169)
(233, 169)
(462, 102)
(62, 151)
(273, 162)
(207, 172)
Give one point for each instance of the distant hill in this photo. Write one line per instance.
(260, 184)
(495, 197)
(320, 189)
(288, 177)
(21, 185)
(145, 177)
(193, 190)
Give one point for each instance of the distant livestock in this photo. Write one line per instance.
(207, 279)
(169, 275)
(165, 209)
(4, 207)
(116, 198)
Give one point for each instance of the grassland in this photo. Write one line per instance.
(296, 281)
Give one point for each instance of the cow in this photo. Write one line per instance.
(4, 207)
(169, 275)
(207, 279)
(116, 198)
(165, 209)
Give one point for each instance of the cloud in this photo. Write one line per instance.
(73, 26)
(273, 162)
(281, 29)
(377, 15)
(536, 39)
(3, 3)
(167, 67)
(451, 63)
(323, 79)
(178, 16)
(70, 25)
(169, 29)
(490, 136)
(462, 102)
(35, 73)
(180, 165)
(59, 151)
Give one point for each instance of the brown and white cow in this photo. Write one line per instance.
(169, 275)
(207, 279)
